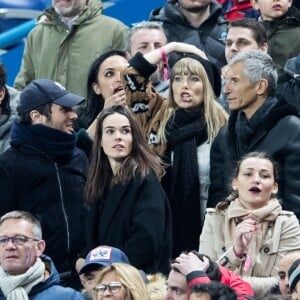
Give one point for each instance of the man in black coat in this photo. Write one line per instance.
(259, 121)
(43, 172)
(199, 23)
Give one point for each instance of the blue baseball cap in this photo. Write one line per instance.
(43, 91)
(103, 256)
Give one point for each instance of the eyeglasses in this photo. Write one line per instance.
(18, 240)
(113, 287)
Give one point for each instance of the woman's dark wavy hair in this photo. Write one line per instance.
(95, 103)
(234, 194)
(139, 162)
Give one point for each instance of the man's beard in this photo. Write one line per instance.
(196, 9)
(68, 13)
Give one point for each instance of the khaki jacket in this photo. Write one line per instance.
(53, 51)
(282, 236)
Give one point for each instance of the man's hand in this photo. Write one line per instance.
(187, 263)
(79, 264)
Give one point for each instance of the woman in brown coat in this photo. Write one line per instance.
(249, 232)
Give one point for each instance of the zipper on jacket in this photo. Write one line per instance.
(63, 207)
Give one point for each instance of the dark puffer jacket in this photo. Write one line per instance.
(279, 136)
(283, 38)
(209, 37)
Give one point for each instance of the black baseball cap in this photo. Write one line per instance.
(43, 91)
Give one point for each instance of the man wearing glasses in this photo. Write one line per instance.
(25, 273)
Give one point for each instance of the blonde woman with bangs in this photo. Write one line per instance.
(182, 130)
(120, 281)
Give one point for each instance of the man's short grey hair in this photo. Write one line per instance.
(151, 25)
(258, 65)
(18, 214)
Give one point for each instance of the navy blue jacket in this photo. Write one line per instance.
(50, 288)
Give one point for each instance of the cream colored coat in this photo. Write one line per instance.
(282, 236)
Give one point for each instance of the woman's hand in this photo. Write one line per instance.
(224, 72)
(118, 98)
(243, 235)
(155, 56)
(184, 48)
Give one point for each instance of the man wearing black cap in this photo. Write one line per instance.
(43, 172)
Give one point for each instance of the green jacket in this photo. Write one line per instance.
(284, 38)
(54, 51)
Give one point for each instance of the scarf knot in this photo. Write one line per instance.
(265, 218)
(17, 287)
(262, 214)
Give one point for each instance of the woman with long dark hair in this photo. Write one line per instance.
(129, 209)
(104, 87)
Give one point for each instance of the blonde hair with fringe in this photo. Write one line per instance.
(214, 114)
(131, 279)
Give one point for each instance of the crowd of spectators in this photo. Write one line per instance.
(158, 161)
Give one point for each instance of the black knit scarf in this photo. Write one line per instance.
(246, 129)
(55, 144)
(185, 132)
